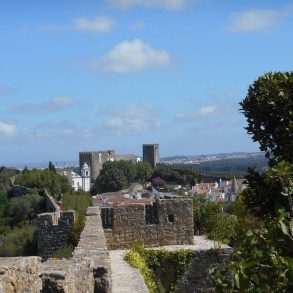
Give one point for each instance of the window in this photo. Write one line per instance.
(86, 173)
(171, 218)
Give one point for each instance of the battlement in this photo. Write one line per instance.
(165, 222)
(97, 152)
(53, 230)
(88, 270)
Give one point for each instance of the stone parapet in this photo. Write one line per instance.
(20, 275)
(53, 231)
(169, 222)
(88, 271)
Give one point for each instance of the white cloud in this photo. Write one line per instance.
(166, 4)
(98, 24)
(257, 19)
(7, 130)
(57, 103)
(207, 110)
(130, 119)
(131, 56)
(189, 116)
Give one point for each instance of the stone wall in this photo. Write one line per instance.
(88, 271)
(53, 231)
(171, 224)
(51, 204)
(20, 275)
(197, 278)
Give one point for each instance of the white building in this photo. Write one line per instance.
(82, 181)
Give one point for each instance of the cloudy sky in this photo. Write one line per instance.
(114, 74)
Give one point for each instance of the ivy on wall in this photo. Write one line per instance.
(161, 269)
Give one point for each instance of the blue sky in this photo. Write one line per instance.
(114, 74)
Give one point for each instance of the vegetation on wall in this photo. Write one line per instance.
(161, 269)
(78, 202)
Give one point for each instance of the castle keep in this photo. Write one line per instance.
(95, 161)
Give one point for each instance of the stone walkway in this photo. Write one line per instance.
(200, 243)
(125, 279)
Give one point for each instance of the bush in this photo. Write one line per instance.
(209, 219)
(20, 242)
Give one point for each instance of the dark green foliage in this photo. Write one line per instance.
(161, 269)
(179, 176)
(209, 219)
(111, 179)
(263, 197)
(24, 208)
(144, 171)
(5, 175)
(268, 108)
(20, 242)
(3, 202)
(262, 259)
(51, 167)
(45, 179)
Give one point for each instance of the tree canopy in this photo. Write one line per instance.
(268, 108)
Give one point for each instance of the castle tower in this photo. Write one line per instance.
(151, 154)
(95, 161)
(86, 177)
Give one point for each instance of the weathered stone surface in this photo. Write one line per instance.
(53, 231)
(20, 275)
(129, 224)
(88, 271)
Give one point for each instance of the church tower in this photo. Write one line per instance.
(86, 177)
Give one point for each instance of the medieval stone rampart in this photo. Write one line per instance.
(88, 271)
(166, 222)
(53, 231)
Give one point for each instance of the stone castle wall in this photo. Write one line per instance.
(170, 222)
(88, 271)
(95, 161)
(53, 231)
(197, 277)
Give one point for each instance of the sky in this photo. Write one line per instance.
(114, 74)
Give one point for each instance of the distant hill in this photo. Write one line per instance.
(233, 165)
(228, 163)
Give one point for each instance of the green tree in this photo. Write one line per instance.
(110, 179)
(51, 167)
(143, 171)
(3, 202)
(262, 260)
(268, 108)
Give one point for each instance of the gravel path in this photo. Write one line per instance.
(125, 279)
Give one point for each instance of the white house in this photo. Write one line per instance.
(82, 181)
